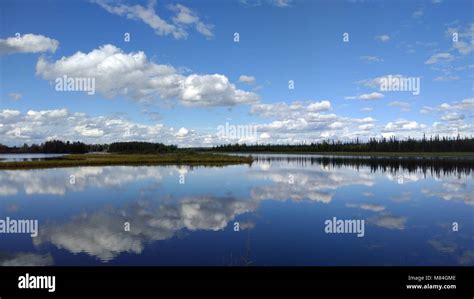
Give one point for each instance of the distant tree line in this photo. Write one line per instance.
(52, 146)
(432, 144)
(141, 147)
(61, 147)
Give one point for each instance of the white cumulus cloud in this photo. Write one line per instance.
(28, 43)
(132, 75)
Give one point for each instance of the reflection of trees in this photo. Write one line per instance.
(436, 166)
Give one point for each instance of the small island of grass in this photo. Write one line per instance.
(75, 160)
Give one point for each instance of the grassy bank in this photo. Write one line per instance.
(197, 159)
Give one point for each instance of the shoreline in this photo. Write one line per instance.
(367, 154)
(203, 158)
(80, 160)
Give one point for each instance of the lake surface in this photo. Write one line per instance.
(27, 157)
(415, 213)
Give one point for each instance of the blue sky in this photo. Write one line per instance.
(187, 80)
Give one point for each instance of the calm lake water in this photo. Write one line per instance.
(27, 157)
(415, 213)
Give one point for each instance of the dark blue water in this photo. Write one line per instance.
(413, 214)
